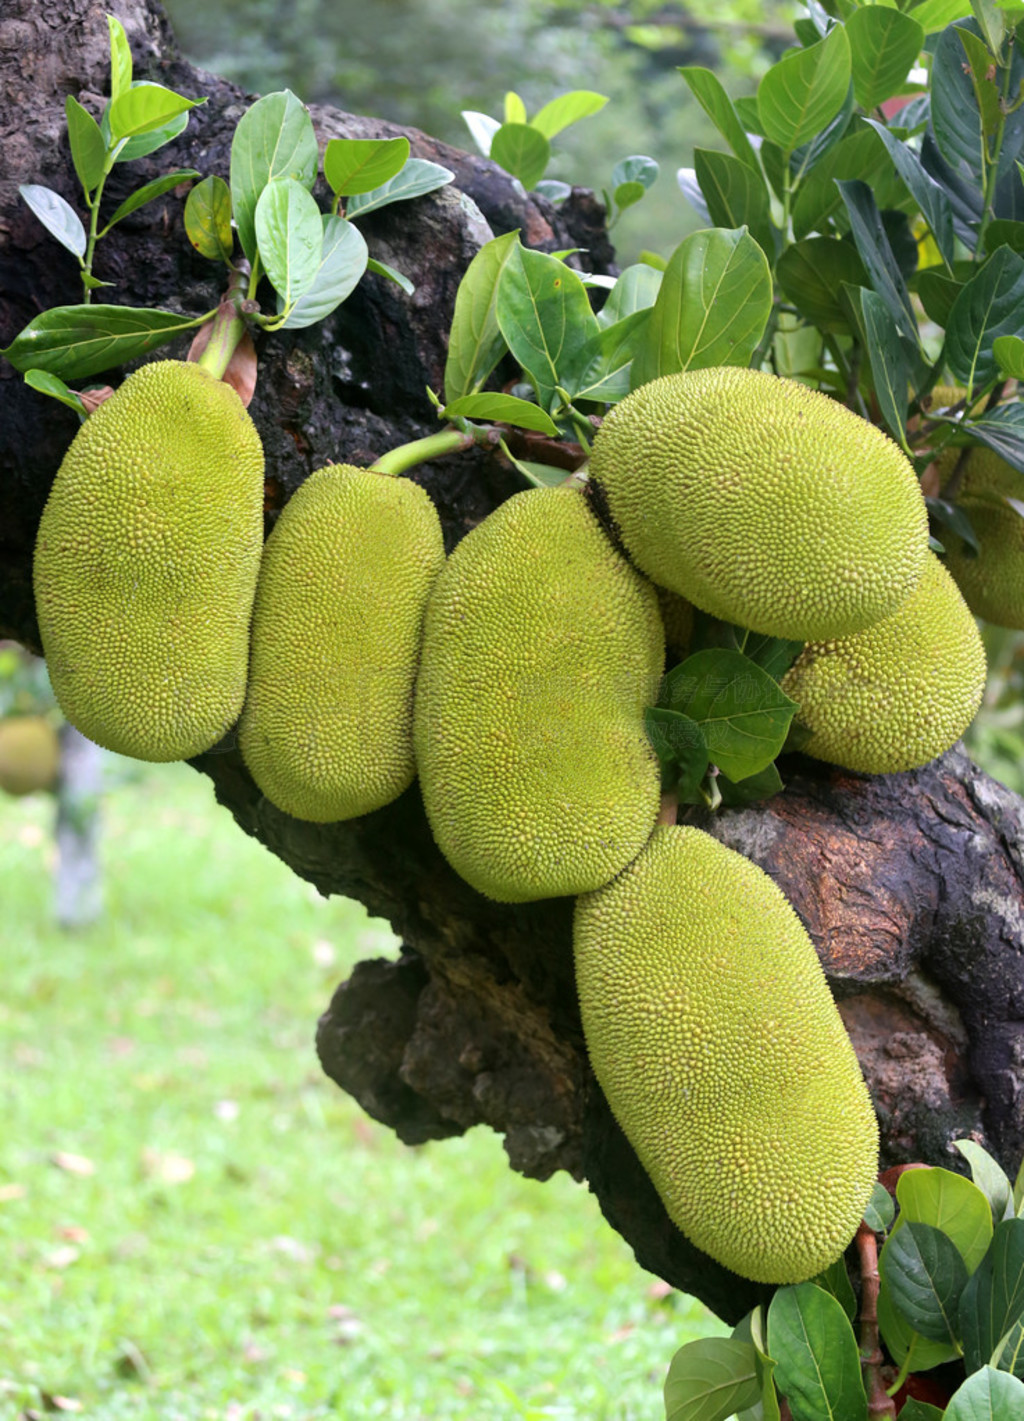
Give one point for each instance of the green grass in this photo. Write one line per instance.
(248, 1245)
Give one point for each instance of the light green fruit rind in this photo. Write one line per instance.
(992, 583)
(714, 1036)
(542, 648)
(763, 502)
(327, 728)
(146, 561)
(29, 754)
(899, 694)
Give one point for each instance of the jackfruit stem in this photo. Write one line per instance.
(419, 451)
(669, 812)
(880, 1403)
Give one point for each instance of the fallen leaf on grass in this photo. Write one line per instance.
(167, 1168)
(72, 1164)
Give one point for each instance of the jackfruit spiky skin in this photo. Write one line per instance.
(327, 728)
(146, 561)
(713, 1034)
(899, 694)
(542, 648)
(29, 754)
(677, 619)
(992, 583)
(763, 502)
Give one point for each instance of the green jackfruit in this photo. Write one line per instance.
(542, 647)
(146, 561)
(29, 754)
(895, 696)
(327, 726)
(993, 582)
(713, 1034)
(763, 502)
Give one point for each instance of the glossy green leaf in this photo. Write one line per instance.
(354, 165)
(515, 109)
(955, 118)
(58, 216)
(987, 1173)
(929, 195)
(343, 259)
(881, 1209)
(120, 59)
(884, 45)
(76, 341)
(566, 109)
(988, 306)
(915, 1410)
(52, 385)
(818, 202)
(493, 407)
(772, 653)
(274, 139)
(680, 747)
(390, 273)
(627, 194)
(925, 1275)
(889, 372)
(817, 1365)
(707, 89)
(805, 90)
(636, 290)
(951, 1203)
(521, 150)
(544, 314)
(289, 237)
(606, 376)
(475, 343)
(1004, 233)
(482, 128)
(836, 1280)
(146, 107)
(872, 242)
(812, 274)
(712, 308)
(935, 15)
(208, 219)
(735, 196)
(743, 712)
(145, 143)
(88, 150)
(416, 179)
(993, 1300)
(899, 1337)
(938, 295)
(151, 191)
(952, 516)
(1003, 431)
(988, 1395)
(636, 169)
(710, 1379)
(750, 790)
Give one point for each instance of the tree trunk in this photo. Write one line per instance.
(910, 884)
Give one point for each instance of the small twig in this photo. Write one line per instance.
(879, 1402)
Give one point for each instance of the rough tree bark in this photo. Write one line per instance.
(911, 885)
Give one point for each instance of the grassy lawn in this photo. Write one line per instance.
(195, 1223)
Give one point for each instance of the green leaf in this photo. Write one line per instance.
(88, 150)
(710, 1379)
(987, 1173)
(805, 90)
(503, 409)
(149, 192)
(274, 139)
(889, 372)
(680, 746)
(58, 216)
(925, 1275)
(752, 789)
(988, 306)
(951, 515)
(544, 314)
(938, 295)
(482, 129)
(566, 109)
(873, 244)
(515, 109)
(955, 119)
(935, 15)
(707, 89)
(812, 274)
(929, 195)
(289, 237)
(636, 169)
(145, 143)
(742, 711)
(636, 290)
(391, 274)
(146, 107)
(949, 1202)
(343, 259)
(860, 155)
(881, 1210)
(356, 165)
(208, 219)
(606, 377)
(988, 1395)
(627, 194)
(915, 1410)
(836, 1280)
(817, 1365)
(884, 45)
(712, 308)
(899, 1337)
(53, 386)
(993, 1300)
(416, 179)
(1004, 233)
(475, 343)
(76, 341)
(120, 59)
(1003, 431)
(773, 654)
(735, 196)
(521, 150)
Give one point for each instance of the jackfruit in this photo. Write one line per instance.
(677, 619)
(327, 728)
(542, 647)
(713, 1034)
(29, 754)
(992, 583)
(763, 502)
(895, 696)
(146, 561)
